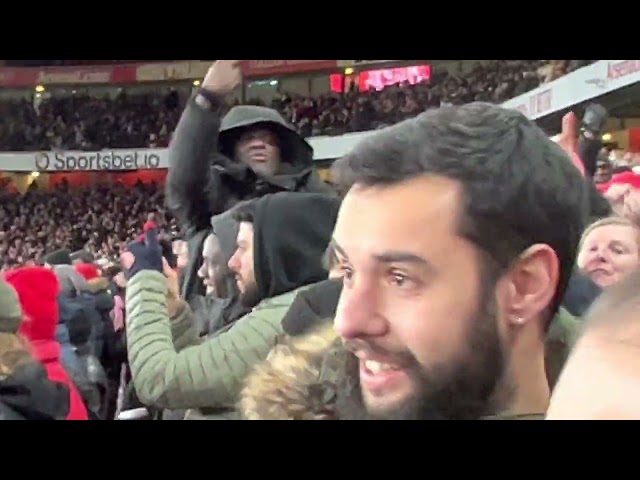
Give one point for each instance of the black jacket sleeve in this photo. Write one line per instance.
(191, 181)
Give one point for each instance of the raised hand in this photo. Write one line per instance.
(143, 255)
(223, 77)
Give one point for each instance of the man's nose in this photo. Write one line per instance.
(358, 314)
(201, 271)
(601, 254)
(233, 262)
(257, 143)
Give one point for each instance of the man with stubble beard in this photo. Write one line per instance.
(456, 238)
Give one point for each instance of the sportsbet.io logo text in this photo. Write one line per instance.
(104, 161)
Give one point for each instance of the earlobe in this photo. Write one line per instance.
(513, 301)
(534, 279)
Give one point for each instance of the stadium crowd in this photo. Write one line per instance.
(98, 220)
(290, 299)
(81, 122)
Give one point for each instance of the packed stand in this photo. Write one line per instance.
(87, 123)
(356, 111)
(291, 300)
(147, 121)
(99, 220)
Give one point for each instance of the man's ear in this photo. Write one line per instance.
(531, 284)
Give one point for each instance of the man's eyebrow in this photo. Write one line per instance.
(391, 256)
(402, 257)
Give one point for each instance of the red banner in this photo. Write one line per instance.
(133, 73)
(30, 77)
(261, 68)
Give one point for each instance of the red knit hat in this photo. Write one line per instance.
(37, 289)
(147, 226)
(625, 178)
(88, 270)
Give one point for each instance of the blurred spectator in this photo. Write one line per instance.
(25, 391)
(37, 290)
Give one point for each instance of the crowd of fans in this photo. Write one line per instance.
(82, 122)
(357, 111)
(87, 123)
(99, 220)
(291, 300)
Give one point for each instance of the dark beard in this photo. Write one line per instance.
(463, 389)
(251, 297)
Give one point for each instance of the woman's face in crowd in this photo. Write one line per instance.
(608, 253)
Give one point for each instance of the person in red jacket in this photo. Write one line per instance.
(38, 290)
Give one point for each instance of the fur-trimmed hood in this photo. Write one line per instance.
(300, 378)
(297, 381)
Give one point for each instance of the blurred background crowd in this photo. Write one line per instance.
(99, 220)
(83, 122)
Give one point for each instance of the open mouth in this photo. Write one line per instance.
(378, 377)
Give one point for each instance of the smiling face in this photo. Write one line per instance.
(210, 271)
(414, 309)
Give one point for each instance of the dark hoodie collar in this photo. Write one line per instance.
(33, 396)
(289, 178)
(291, 234)
(312, 308)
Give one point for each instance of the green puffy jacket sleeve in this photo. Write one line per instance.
(183, 328)
(563, 333)
(207, 375)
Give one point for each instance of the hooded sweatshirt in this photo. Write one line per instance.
(38, 290)
(204, 180)
(313, 308)
(291, 233)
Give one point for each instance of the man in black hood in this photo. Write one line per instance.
(216, 161)
(281, 241)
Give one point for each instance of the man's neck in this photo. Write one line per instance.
(525, 386)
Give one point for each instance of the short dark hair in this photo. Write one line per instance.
(244, 212)
(329, 258)
(84, 256)
(520, 188)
